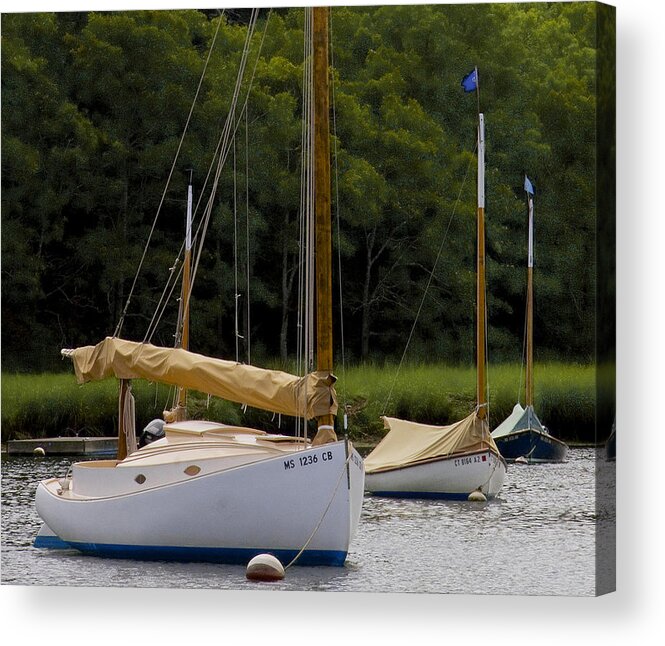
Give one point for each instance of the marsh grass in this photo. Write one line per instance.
(439, 394)
(49, 405)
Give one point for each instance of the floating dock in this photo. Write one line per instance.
(107, 446)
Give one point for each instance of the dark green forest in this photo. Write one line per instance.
(93, 108)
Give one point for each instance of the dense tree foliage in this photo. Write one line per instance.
(93, 109)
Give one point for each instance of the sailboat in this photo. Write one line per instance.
(522, 436)
(424, 461)
(208, 491)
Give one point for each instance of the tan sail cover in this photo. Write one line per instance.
(409, 442)
(312, 395)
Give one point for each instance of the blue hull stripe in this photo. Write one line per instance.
(230, 556)
(51, 543)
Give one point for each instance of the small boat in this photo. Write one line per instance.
(206, 491)
(423, 461)
(522, 436)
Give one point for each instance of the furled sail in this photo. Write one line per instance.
(310, 396)
(409, 442)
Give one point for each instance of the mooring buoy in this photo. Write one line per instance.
(477, 496)
(39, 451)
(521, 460)
(265, 567)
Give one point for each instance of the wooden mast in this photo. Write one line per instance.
(186, 284)
(324, 338)
(481, 322)
(529, 307)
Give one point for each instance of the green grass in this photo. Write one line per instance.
(53, 404)
(438, 394)
(48, 405)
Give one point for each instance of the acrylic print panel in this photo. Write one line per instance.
(470, 169)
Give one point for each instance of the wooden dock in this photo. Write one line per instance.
(106, 446)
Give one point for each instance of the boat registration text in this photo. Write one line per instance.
(309, 459)
(470, 459)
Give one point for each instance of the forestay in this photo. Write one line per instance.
(408, 443)
(310, 396)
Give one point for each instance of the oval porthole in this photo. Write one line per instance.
(192, 470)
(140, 478)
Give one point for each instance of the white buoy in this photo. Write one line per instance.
(477, 496)
(38, 451)
(521, 460)
(264, 567)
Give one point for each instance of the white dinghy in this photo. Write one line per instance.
(207, 491)
(421, 461)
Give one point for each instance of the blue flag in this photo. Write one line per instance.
(528, 186)
(470, 81)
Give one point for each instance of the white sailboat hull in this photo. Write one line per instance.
(450, 477)
(225, 514)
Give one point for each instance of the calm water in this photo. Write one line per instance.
(537, 538)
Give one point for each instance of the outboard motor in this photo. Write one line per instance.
(153, 431)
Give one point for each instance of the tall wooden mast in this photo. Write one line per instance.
(324, 337)
(481, 321)
(529, 307)
(186, 285)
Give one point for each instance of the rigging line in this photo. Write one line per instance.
(300, 331)
(300, 205)
(311, 214)
(312, 232)
(223, 147)
(244, 106)
(248, 330)
(159, 313)
(338, 218)
(222, 136)
(150, 332)
(429, 280)
(307, 248)
(172, 276)
(162, 303)
(487, 355)
(345, 467)
(161, 202)
(304, 165)
(203, 225)
(306, 185)
(235, 252)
